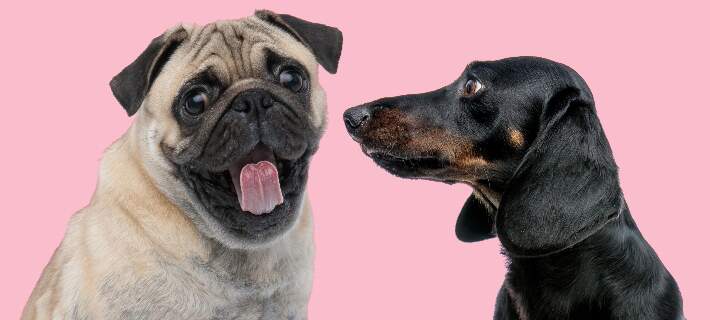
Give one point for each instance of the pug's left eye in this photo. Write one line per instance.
(472, 87)
(195, 102)
(291, 79)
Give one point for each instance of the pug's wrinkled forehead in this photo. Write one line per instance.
(228, 51)
(238, 49)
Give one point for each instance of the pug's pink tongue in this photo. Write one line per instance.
(260, 188)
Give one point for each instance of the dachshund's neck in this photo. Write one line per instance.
(619, 238)
(589, 271)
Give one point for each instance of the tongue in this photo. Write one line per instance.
(260, 189)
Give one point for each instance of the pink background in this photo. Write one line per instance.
(647, 65)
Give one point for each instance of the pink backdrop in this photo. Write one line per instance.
(647, 65)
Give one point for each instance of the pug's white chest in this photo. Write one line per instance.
(250, 303)
(245, 298)
(205, 297)
(227, 289)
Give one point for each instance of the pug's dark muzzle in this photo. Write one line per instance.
(256, 126)
(253, 117)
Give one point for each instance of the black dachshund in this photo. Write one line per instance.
(524, 133)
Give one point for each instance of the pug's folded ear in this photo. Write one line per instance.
(324, 41)
(475, 222)
(132, 84)
(566, 187)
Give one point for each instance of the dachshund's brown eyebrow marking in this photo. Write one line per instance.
(516, 138)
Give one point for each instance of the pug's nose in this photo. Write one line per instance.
(252, 100)
(356, 117)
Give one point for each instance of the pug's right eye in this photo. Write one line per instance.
(196, 101)
(291, 79)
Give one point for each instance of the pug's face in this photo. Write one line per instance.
(229, 117)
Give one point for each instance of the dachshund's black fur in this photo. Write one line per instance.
(545, 182)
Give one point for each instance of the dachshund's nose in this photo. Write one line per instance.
(356, 117)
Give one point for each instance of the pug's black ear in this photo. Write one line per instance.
(324, 41)
(566, 187)
(132, 84)
(475, 222)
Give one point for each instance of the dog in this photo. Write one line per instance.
(523, 132)
(200, 211)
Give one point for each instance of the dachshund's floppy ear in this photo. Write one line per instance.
(324, 41)
(476, 221)
(131, 85)
(566, 187)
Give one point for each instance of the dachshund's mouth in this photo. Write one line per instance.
(407, 166)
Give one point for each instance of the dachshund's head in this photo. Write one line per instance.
(523, 132)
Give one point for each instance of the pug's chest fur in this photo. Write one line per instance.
(224, 288)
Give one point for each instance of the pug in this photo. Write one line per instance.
(200, 211)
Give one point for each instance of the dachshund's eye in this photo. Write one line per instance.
(472, 87)
(195, 102)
